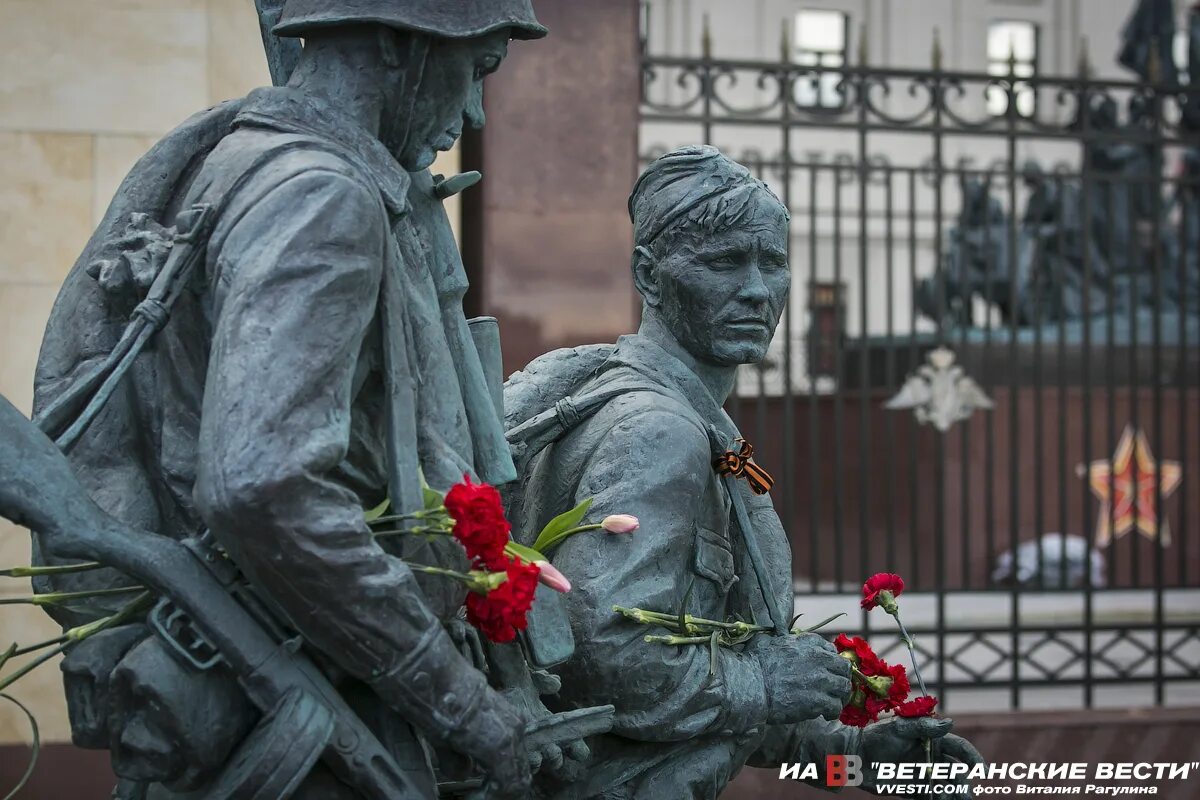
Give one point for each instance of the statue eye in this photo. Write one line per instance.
(723, 261)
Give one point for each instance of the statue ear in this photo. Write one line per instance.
(644, 278)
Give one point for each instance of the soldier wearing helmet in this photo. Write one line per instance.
(319, 365)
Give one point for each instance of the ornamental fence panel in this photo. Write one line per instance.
(986, 376)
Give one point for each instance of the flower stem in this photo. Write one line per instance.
(420, 530)
(555, 540)
(59, 598)
(30, 648)
(425, 513)
(645, 617)
(449, 573)
(79, 633)
(680, 640)
(912, 654)
(127, 612)
(63, 569)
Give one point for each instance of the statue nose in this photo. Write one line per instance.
(754, 289)
(473, 111)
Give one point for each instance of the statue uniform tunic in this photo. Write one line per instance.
(678, 732)
(294, 438)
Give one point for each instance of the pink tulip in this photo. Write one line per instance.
(620, 523)
(550, 576)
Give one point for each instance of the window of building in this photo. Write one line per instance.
(1180, 49)
(820, 39)
(1012, 45)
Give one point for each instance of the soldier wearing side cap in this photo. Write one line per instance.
(639, 427)
(318, 364)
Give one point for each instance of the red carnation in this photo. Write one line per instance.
(856, 716)
(917, 707)
(876, 705)
(501, 612)
(881, 590)
(900, 688)
(864, 657)
(479, 522)
(847, 644)
(843, 642)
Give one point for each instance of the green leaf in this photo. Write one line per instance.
(432, 498)
(818, 626)
(687, 596)
(555, 528)
(378, 511)
(526, 553)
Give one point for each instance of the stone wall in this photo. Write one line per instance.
(85, 89)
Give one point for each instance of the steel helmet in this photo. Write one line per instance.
(448, 19)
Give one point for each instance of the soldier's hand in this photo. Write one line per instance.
(903, 740)
(494, 736)
(805, 677)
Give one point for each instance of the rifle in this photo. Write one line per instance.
(282, 54)
(40, 491)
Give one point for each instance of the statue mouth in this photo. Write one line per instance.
(748, 322)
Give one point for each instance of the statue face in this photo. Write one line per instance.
(722, 294)
(450, 94)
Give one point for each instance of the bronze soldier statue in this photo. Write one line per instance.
(316, 362)
(638, 427)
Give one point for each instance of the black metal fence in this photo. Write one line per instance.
(949, 252)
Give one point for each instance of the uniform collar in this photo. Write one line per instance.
(294, 111)
(642, 354)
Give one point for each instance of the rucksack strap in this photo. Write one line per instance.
(68, 417)
(542, 430)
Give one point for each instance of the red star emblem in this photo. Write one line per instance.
(1132, 502)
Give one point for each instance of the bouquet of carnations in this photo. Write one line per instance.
(878, 687)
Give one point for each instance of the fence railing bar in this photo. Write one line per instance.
(918, 129)
(814, 425)
(839, 531)
(1156, 287)
(1013, 395)
(864, 376)
(1110, 373)
(1088, 610)
(1039, 472)
(939, 503)
(914, 513)
(1061, 362)
(1181, 385)
(889, 369)
(789, 421)
(1133, 539)
(964, 436)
